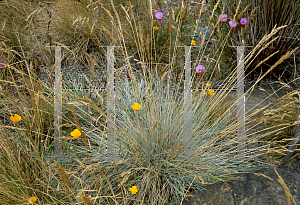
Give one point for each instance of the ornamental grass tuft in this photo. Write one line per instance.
(159, 156)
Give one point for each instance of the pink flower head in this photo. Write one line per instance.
(233, 25)
(50, 15)
(94, 119)
(223, 18)
(159, 15)
(200, 68)
(244, 21)
(165, 92)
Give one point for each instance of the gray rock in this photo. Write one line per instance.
(264, 187)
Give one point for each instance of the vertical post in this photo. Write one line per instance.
(187, 102)
(240, 104)
(110, 104)
(57, 104)
(110, 89)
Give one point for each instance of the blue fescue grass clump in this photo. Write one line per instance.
(151, 140)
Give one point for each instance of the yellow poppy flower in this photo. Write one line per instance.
(204, 92)
(32, 200)
(133, 189)
(156, 28)
(76, 133)
(136, 106)
(211, 92)
(193, 42)
(16, 118)
(207, 84)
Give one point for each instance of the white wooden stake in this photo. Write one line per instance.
(240, 103)
(240, 155)
(57, 104)
(187, 102)
(110, 89)
(110, 104)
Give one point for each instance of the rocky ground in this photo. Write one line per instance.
(272, 184)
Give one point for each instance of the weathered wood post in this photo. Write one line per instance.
(57, 104)
(187, 102)
(110, 120)
(240, 155)
(240, 103)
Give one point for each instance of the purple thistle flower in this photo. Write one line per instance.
(244, 21)
(159, 15)
(200, 68)
(233, 25)
(223, 18)
(50, 15)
